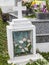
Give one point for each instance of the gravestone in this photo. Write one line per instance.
(42, 34)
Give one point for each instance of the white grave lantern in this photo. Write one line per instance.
(21, 37)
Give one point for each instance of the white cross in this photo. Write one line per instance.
(19, 8)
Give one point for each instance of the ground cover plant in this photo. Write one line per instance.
(38, 62)
(3, 43)
(45, 55)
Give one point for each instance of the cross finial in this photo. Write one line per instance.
(19, 8)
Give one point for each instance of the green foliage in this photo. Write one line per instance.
(3, 44)
(0, 11)
(38, 62)
(47, 4)
(0, 14)
(28, 63)
(27, 4)
(31, 16)
(45, 55)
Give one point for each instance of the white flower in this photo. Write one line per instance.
(28, 40)
(26, 49)
(28, 45)
(24, 39)
(16, 44)
(20, 46)
(23, 50)
(21, 41)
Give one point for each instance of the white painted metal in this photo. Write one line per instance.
(20, 25)
(34, 40)
(24, 59)
(19, 8)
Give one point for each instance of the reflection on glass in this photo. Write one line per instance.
(21, 42)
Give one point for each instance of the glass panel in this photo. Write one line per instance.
(22, 42)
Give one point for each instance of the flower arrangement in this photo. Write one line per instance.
(41, 7)
(23, 47)
(41, 10)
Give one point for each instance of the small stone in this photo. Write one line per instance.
(30, 61)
